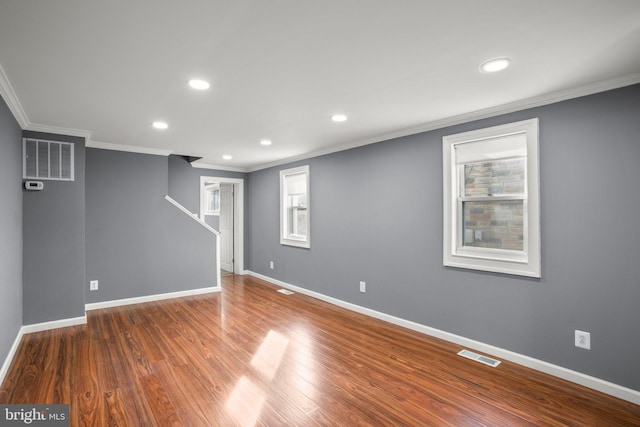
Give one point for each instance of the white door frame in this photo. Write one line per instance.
(238, 216)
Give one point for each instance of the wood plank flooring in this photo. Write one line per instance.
(251, 356)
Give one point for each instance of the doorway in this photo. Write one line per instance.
(222, 207)
(226, 228)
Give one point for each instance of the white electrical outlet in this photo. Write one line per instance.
(363, 287)
(271, 265)
(583, 339)
(93, 285)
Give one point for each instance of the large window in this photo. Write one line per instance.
(294, 207)
(491, 199)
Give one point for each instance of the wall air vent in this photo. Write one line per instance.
(479, 358)
(43, 159)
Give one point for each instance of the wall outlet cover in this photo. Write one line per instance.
(93, 285)
(583, 339)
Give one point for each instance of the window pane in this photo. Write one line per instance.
(216, 200)
(297, 204)
(298, 222)
(296, 184)
(494, 224)
(209, 199)
(498, 177)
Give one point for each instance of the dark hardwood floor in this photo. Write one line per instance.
(252, 356)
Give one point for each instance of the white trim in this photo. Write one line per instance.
(54, 324)
(524, 104)
(12, 353)
(219, 167)
(208, 227)
(36, 327)
(59, 130)
(127, 148)
(238, 219)
(285, 233)
(10, 97)
(522, 263)
(594, 383)
(191, 215)
(150, 298)
(218, 269)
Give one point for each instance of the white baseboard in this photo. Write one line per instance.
(54, 324)
(150, 298)
(11, 355)
(598, 384)
(36, 327)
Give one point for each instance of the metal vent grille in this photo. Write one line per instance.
(478, 357)
(43, 159)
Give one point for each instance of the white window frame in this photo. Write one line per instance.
(455, 254)
(210, 196)
(287, 238)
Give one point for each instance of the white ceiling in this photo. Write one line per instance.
(280, 68)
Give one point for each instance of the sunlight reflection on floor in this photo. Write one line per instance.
(269, 355)
(245, 403)
(246, 400)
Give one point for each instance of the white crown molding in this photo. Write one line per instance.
(10, 97)
(59, 130)
(128, 148)
(537, 101)
(219, 167)
(594, 383)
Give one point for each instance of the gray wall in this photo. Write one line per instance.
(53, 251)
(10, 230)
(139, 244)
(184, 186)
(377, 217)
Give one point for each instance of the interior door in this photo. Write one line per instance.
(226, 227)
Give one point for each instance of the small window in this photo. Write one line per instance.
(212, 199)
(294, 207)
(491, 199)
(47, 160)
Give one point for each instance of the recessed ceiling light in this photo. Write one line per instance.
(339, 118)
(160, 125)
(199, 84)
(265, 142)
(496, 64)
(227, 157)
